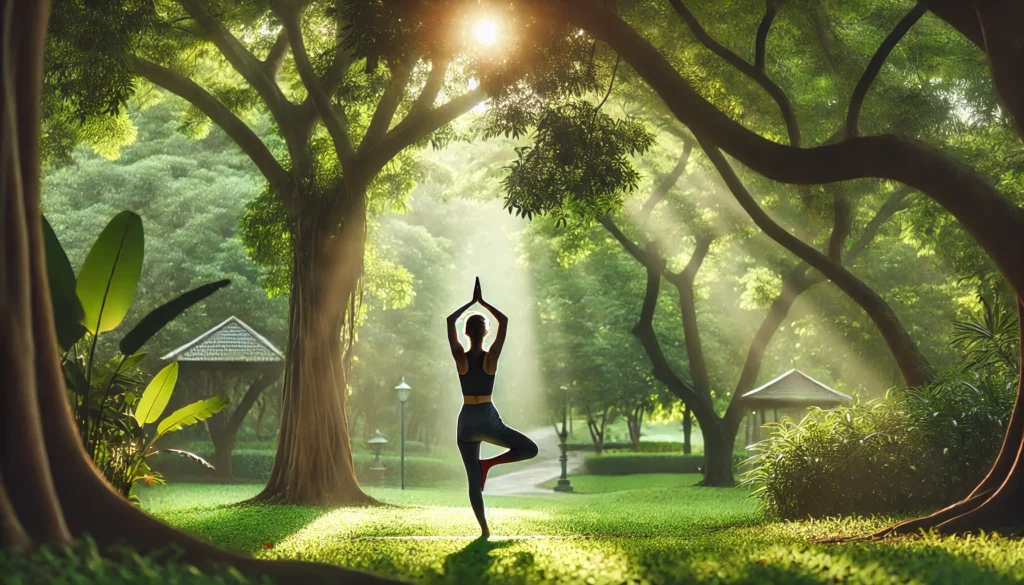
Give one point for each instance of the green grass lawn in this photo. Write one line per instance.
(639, 529)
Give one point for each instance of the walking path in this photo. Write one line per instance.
(546, 466)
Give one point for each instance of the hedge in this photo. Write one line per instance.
(645, 447)
(626, 463)
(255, 465)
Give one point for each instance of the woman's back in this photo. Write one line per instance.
(476, 381)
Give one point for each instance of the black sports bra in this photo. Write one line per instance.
(476, 382)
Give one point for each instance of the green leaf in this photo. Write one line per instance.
(110, 275)
(158, 393)
(159, 317)
(67, 309)
(191, 414)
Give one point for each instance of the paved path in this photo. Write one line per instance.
(546, 466)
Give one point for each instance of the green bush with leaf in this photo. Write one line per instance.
(915, 448)
(109, 406)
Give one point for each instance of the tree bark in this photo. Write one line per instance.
(50, 492)
(313, 464)
(687, 429)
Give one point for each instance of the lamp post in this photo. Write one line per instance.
(563, 482)
(403, 390)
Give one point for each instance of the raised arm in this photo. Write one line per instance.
(458, 352)
(494, 352)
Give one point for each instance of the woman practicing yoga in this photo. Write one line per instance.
(479, 420)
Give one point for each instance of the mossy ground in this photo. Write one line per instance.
(639, 529)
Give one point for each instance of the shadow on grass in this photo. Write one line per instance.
(245, 528)
(473, 564)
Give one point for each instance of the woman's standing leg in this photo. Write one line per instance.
(471, 459)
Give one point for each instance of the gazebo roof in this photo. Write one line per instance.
(230, 342)
(795, 387)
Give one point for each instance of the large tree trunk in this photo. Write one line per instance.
(50, 492)
(313, 464)
(687, 429)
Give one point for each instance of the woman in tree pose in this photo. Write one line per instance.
(479, 420)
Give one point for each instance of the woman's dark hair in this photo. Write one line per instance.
(476, 326)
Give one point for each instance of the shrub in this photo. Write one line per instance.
(915, 448)
(255, 465)
(645, 447)
(628, 463)
(912, 449)
(109, 407)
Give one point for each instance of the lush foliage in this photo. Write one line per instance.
(641, 528)
(109, 408)
(912, 449)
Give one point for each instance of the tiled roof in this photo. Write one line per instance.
(795, 387)
(231, 341)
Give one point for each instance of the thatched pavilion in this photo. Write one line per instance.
(788, 395)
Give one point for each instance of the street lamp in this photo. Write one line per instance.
(403, 390)
(564, 485)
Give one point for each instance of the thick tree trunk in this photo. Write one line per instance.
(313, 464)
(718, 445)
(50, 492)
(687, 429)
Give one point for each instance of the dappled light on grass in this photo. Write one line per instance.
(640, 529)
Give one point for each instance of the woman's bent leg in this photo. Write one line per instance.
(471, 459)
(520, 448)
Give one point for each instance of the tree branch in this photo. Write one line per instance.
(644, 332)
(912, 363)
(431, 89)
(334, 122)
(875, 66)
(234, 127)
(642, 256)
(683, 281)
(416, 126)
(278, 52)
(387, 106)
(761, 41)
(256, 388)
(894, 203)
(752, 71)
(667, 182)
(241, 59)
(795, 283)
(993, 220)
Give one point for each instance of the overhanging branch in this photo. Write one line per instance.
(387, 106)
(755, 72)
(241, 59)
(234, 127)
(875, 66)
(993, 220)
(333, 121)
(912, 364)
(416, 126)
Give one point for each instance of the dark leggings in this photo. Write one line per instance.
(481, 422)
